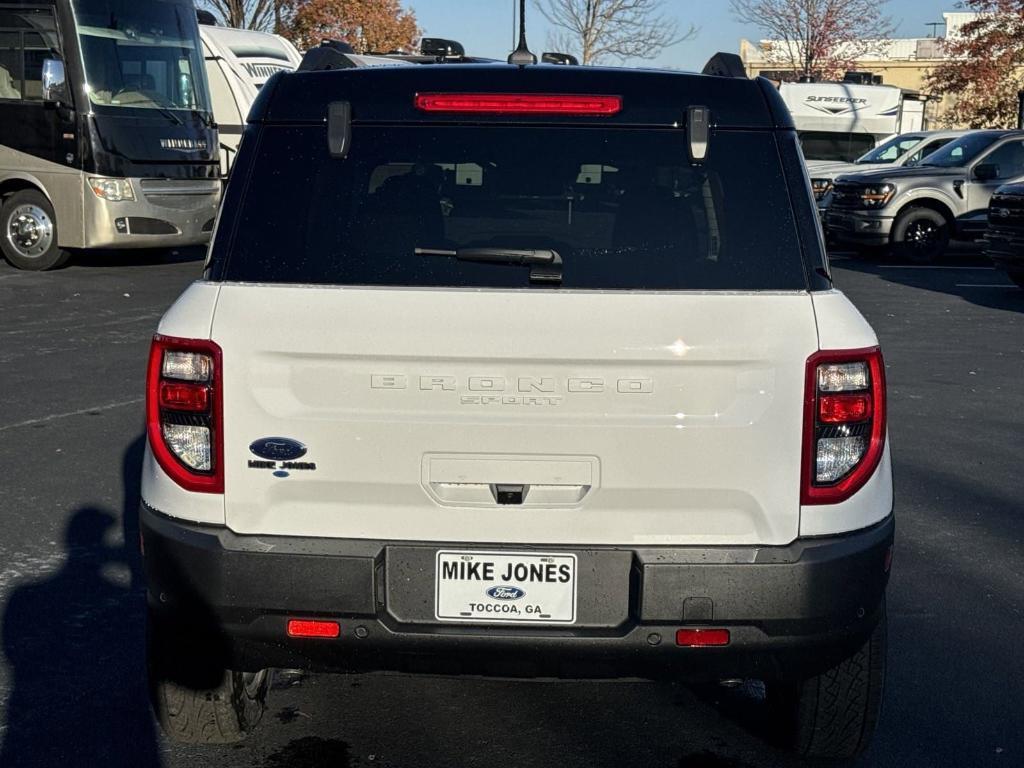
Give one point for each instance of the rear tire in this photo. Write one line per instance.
(195, 701)
(28, 232)
(920, 235)
(834, 714)
(1017, 275)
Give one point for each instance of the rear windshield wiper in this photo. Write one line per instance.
(546, 264)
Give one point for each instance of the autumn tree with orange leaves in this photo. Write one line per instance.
(982, 71)
(366, 25)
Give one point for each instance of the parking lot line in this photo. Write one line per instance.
(984, 285)
(931, 266)
(79, 412)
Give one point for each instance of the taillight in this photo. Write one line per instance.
(520, 103)
(844, 423)
(184, 413)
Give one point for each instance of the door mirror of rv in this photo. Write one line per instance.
(54, 83)
(986, 172)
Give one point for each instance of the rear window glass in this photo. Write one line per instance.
(624, 209)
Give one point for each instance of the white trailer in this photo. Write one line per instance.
(842, 121)
(238, 63)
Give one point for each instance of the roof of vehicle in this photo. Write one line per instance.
(649, 97)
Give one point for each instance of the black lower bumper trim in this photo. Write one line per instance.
(791, 610)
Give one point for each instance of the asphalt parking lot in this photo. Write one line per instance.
(73, 347)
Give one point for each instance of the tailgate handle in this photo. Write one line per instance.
(509, 494)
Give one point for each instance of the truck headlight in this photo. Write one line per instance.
(876, 195)
(821, 187)
(114, 190)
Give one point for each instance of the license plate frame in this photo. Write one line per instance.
(461, 598)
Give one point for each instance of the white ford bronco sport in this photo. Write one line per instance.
(518, 370)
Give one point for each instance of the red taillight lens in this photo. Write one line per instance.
(313, 628)
(184, 397)
(839, 409)
(184, 412)
(519, 103)
(844, 423)
(701, 638)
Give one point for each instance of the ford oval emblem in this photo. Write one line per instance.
(506, 593)
(277, 448)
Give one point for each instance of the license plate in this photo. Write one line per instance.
(505, 588)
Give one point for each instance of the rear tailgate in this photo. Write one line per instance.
(627, 418)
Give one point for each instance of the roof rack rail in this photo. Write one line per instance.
(725, 65)
(330, 54)
(555, 57)
(441, 48)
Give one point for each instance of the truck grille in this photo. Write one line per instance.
(180, 195)
(846, 195)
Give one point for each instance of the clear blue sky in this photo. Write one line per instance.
(485, 26)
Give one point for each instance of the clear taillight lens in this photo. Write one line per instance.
(183, 412)
(186, 366)
(844, 423)
(191, 444)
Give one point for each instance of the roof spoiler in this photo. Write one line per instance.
(725, 65)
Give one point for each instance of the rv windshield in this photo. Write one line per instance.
(144, 55)
(959, 153)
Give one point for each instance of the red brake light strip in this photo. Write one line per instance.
(520, 103)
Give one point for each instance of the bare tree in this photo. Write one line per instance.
(261, 15)
(816, 38)
(623, 29)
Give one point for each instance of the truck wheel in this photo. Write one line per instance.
(920, 235)
(833, 715)
(194, 702)
(28, 236)
(1017, 275)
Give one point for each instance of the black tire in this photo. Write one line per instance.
(920, 235)
(28, 232)
(833, 715)
(1017, 275)
(196, 702)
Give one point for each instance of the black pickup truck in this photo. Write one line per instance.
(1004, 241)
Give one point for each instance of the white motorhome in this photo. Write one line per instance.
(238, 63)
(842, 121)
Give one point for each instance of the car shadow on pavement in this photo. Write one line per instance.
(978, 288)
(75, 644)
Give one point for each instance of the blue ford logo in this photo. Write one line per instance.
(505, 593)
(277, 448)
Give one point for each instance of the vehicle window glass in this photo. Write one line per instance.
(891, 150)
(926, 150)
(10, 65)
(959, 152)
(1008, 158)
(142, 55)
(27, 38)
(624, 209)
(824, 145)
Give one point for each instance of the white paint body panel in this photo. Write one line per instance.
(690, 403)
(678, 418)
(190, 317)
(841, 326)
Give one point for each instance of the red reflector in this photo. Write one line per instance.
(184, 397)
(838, 409)
(696, 638)
(519, 103)
(310, 628)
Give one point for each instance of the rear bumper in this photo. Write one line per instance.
(791, 611)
